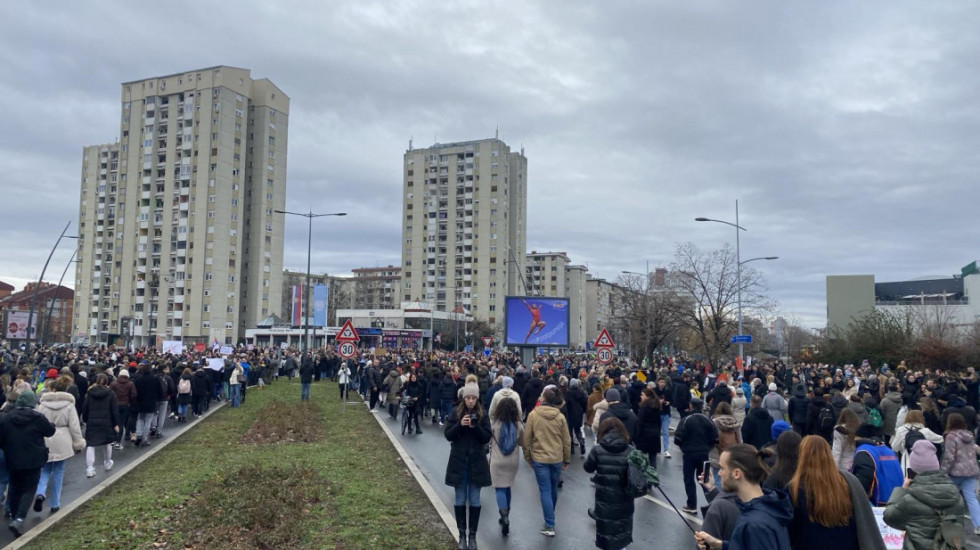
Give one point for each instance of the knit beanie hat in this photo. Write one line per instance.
(772, 386)
(471, 390)
(507, 382)
(778, 427)
(612, 395)
(573, 383)
(124, 372)
(923, 457)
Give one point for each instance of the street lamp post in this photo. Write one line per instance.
(47, 324)
(37, 287)
(738, 267)
(309, 250)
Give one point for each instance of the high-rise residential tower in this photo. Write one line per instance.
(464, 226)
(177, 235)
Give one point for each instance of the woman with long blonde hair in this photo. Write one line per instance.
(825, 512)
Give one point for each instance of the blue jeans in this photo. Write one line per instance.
(53, 472)
(4, 479)
(503, 497)
(447, 407)
(547, 477)
(182, 409)
(665, 433)
(968, 488)
(236, 395)
(304, 392)
(467, 492)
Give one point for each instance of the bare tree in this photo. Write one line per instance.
(707, 286)
(648, 314)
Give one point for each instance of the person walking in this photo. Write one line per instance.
(926, 502)
(200, 391)
(58, 406)
(826, 514)
(960, 462)
(774, 403)
(575, 404)
(757, 425)
(508, 433)
(147, 395)
(394, 384)
(613, 510)
(696, 434)
(125, 393)
(343, 378)
(306, 380)
(184, 398)
(22, 433)
(547, 449)
(468, 430)
(235, 383)
(907, 434)
(648, 425)
(664, 395)
(102, 423)
(411, 391)
(765, 514)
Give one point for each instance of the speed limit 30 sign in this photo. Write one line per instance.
(347, 350)
(604, 355)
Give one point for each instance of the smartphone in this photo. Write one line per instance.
(706, 469)
(909, 473)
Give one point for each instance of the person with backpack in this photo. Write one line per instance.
(874, 415)
(820, 417)
(508, 433)
(907, 434)
(960, 462)
(613, 510)
(927, 506)
(183, 394)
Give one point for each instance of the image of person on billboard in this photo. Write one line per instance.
(536, 323)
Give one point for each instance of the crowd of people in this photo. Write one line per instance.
(788, 456)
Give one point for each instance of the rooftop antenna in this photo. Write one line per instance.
(496, 132)
(409, 143)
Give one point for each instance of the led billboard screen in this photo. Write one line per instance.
(536, 321)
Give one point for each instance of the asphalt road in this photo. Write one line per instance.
(655, 525)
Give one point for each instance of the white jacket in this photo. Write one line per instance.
(59, 408)
(898, 440)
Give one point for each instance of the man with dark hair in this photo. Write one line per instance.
(757, 425)
(696, 435)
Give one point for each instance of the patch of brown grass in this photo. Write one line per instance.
(280, 422)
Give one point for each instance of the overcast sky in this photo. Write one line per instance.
(848, 131)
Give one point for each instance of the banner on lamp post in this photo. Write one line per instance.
(320, 305)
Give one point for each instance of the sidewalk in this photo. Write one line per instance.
(78, 489)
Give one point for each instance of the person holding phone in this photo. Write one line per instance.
(468, 430)
(927, 500)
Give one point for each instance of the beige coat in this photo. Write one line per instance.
(503, 468)
(505, 393)
(59, 409)
(546, 436)
(600, 408)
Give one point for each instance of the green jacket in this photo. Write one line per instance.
(917, 509)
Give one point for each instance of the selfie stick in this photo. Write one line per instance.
(686, 523)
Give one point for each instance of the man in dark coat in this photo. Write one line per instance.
(696, 435)
(721, 393)
(797, 410)
(633, 391)
(682, 395)
(148, 393)
(620, 410)
(757, 424)
(575, 402)
(306, 374)
(200, 391)
(22, 433)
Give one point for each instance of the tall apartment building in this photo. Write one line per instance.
(464, 226)
(602, 308)
(545, 273)
(377, 287)
(177, 238)
(575, 291)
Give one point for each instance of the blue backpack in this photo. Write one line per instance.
(508, 438)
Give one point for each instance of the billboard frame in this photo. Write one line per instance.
(507, 341)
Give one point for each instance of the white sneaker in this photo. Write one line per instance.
(108, 465)
(667, 454)
(90, 472)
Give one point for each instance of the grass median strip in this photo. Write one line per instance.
(245, 478)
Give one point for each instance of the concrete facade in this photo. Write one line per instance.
(848, 297)
(178, 234)
(464, 226)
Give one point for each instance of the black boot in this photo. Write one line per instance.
(461, 526)
(418, 430)
(474, 524)
(504, 521)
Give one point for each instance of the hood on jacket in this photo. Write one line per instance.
(22, 416)
(725, 423)
(775, 503)
(57, 400)
(964, 436)
(98, 392)
(613, 442)
(547, 411)
(893, 396)
(935, 489)
(838, 401)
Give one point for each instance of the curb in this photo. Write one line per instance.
(448, 518)
(67, 509)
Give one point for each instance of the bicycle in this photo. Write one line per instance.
(403, 406)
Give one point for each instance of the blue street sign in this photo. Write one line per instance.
(468, 349)
(486, 352)
(588, 345)
(742, 339)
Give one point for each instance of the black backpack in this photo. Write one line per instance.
(911, 437)
(825, 420)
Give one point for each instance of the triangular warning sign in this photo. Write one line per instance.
(604, 340)
(347, 333)
(487, 340)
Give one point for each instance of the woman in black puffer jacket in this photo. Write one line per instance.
(613, 512)
(101, 415)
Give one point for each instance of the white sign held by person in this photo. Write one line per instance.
(894, 539)
(175, 347)
(216, 363)
(226, 350)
